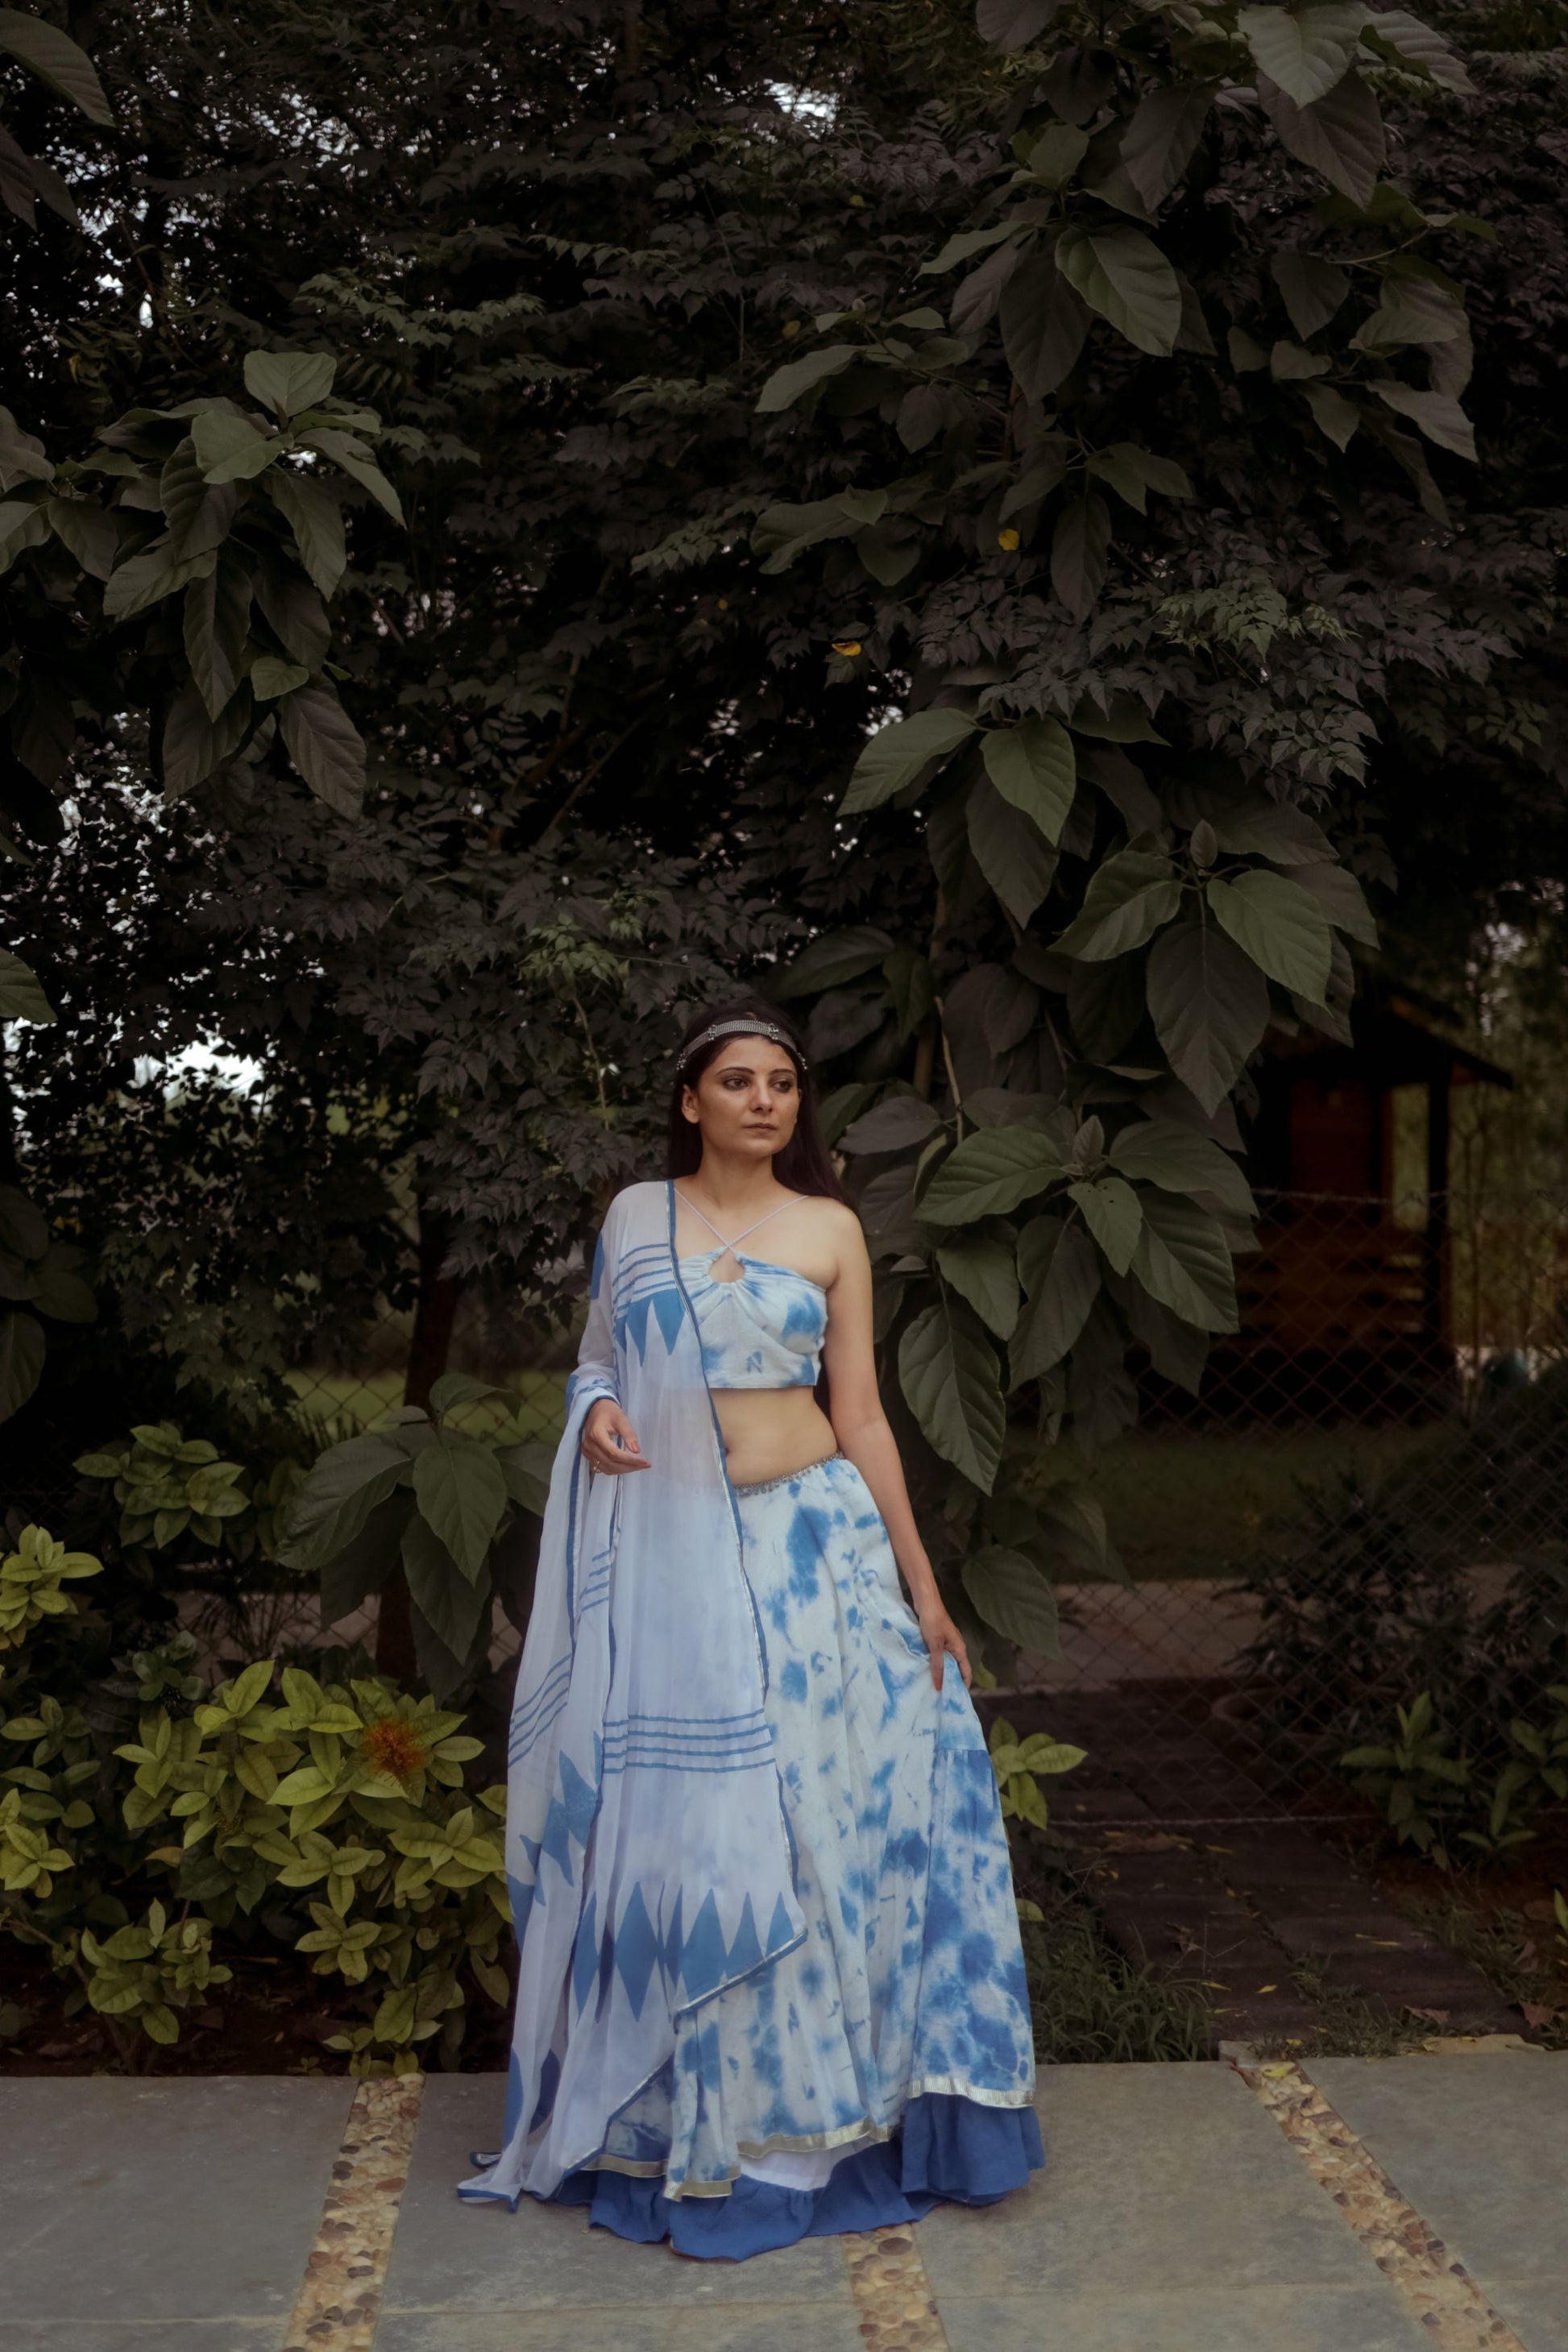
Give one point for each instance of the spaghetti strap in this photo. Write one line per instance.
(749, 1230)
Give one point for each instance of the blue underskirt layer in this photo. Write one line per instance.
(947, 2149)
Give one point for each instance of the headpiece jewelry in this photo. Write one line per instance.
(740, 1029)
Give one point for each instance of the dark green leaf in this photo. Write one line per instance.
(1335, 416)
(947, 1372)
(61, 1292)
(1176, 1350)
(1032, 765)
(1210, 1007)
(343, 1489)
(1010, 25)
(22, 994)
(1341, 136)
(1436, 413)
(1271, 829)
(831, 961)
(1010, 850)
(1012, 1595)
(217, 619)
(462, 1493)
(21, 1360)
(325, 746)
(1312, 290)
(1179, 1160)
(365, 1563)
(1124, 274)
(1043, 326)
(1104, 1006)
(145, 580)
(195, 746)
(1183, 1262)
(1279, 926)
(230, 449)
(896, 755)
(1080, 547)
(897, 1124)
(1306, 49)
(349, 454)
(294, 611)
(788, 384)
(1341, 898)
(1128, 898)
(90, 532)
(989, 1174)
(1112, 1213)
(454, 1389)
(451, 1605)
(57, 61)
(526, 1469)
(981, 1267)
(1162, 136)
(290, 381)
(316, 520)
(23, 1228)
(1061, 1296)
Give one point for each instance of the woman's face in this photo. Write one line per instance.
(746, 1101)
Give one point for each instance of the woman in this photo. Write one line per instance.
(770, 1984)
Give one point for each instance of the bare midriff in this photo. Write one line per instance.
(771, 1433)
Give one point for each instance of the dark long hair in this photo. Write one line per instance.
(804, 1165)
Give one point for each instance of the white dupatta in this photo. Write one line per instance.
(647, 1854)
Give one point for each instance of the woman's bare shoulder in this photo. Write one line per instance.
(838, 1220)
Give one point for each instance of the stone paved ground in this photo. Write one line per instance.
(1350, 2206)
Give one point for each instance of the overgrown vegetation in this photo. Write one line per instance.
(1090, 2003)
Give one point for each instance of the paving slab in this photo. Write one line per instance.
(1254, 2319)
(132, 2205)
(720, 2328)
(1162, 2180)
(483, 2262)
(1478, 2144)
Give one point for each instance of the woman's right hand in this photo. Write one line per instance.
(609, 1441)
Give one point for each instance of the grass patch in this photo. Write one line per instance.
(1090, 2005)
(1515, 1955)
(1348, 2024)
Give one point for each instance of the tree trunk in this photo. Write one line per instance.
(435, 1310)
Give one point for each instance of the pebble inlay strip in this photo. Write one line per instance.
(340, 2301)
(893, 2294)
(1441, 2293)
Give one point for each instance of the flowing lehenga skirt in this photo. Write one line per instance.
(887, 2061)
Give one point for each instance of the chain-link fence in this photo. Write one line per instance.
(1367, 1500)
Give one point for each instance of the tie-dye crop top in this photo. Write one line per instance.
(762, 1331)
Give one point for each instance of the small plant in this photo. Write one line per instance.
(30, 1582)
(166, 1483)
(1020, 1764)
(1414, 1779)
(140, 1974)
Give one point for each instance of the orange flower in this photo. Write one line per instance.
(847, 646)
(391, 1745)
(1007, 539)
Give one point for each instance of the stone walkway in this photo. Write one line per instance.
(1350, 2206)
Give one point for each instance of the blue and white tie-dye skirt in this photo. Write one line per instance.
(887, 2063)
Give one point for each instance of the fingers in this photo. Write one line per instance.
(610, 1444)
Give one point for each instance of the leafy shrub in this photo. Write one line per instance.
(1432, 1799)
(1020, 1764)
(30, 1582)
(224, 1808)
(165, 1483)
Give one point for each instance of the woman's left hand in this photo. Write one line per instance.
(942, 1641)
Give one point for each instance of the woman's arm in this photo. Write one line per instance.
(860, 1426)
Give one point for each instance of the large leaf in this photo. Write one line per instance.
(325, 746)
(1044, 323)
(1437, 414)
(290, 381)
(1312, 290)
(1013, 1596)
(1177, 1352)
(1183, 1262)
(1210, 1007)
(949, 1374)
(364, 1564)
(92, 533)
(229, 448)
(146, 579)
(896, 755)
(1113, 1215)
(1279, 926)
(1273, 829)
(195, 746)
(23, 1228)
(61, 1291)
(830, 960)
(339, 1493)
(295, 613)
(217, 621)
(1062, 1285)
(982, 1268)
(451, 1606)
(1162, 136)
(1128, 898)
(989, 1174)
(788, 384)
(22, 994)
(1080, 549)
(1124, 274)
(1010, 850)
(1179, 1160)
(1399, 34)
(1033, 766)
(1341, 898)
(1305, 49)
(1341, 136)
(316, 520)
(461, 1492)
(1104, 1006)
(21, 1360)
(349, 454)
(896, 1125)
(67, 70)
(1010, 25)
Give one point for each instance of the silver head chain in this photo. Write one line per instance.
(740, 1029)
